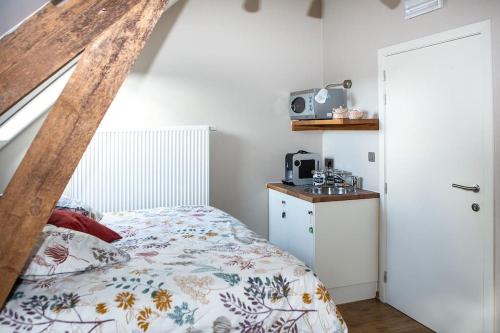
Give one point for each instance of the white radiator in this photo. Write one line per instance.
(127, 170)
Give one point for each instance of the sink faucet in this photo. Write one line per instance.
(354, 181)
(339, 179)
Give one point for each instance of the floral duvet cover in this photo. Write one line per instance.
(193, 269)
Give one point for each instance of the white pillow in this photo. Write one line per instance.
(79, 207)
(63, 251)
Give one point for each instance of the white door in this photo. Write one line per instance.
(438, 132)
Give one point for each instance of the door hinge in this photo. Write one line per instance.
(385, 99)
(385, 75)
(385, 276)
(385, 188)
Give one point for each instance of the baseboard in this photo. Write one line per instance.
(354, 293)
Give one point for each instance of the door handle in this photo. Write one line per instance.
(474, 189)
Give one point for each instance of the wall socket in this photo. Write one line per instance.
(328, 163)
(371, 156)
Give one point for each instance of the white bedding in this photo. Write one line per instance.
(193, 269)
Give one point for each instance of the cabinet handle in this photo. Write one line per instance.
(283, 202)
(283, 215)
(311, 230)
(310, 212)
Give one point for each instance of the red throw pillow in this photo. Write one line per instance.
(75, 221)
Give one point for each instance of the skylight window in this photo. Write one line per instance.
(30, 108)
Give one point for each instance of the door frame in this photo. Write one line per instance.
(482, 29)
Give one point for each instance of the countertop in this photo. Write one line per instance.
(298, 192)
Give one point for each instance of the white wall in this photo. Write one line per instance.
(350, 151)
(355, 30)
(12, 12)
(212, 62)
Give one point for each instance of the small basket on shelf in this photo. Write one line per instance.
(356, 114)
(340, 113)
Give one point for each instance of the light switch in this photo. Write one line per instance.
(371, 156)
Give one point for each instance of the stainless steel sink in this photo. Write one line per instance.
(329, 190)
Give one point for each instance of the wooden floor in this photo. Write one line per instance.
(372, 316)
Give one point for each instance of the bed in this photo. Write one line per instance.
(192, 269)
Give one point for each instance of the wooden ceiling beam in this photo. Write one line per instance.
(59, 145)
(48, 40)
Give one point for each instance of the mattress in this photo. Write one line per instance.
(192, 269)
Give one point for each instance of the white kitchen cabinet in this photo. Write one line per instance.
(337, 239)
(292, 216)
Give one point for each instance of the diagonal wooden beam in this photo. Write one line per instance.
(56, 150)
(48, 40)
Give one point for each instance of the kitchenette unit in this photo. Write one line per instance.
(334, 231)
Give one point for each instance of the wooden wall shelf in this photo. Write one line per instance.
(336, 125)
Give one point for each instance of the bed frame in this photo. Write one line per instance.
(108, 35)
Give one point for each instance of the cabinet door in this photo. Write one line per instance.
(278, 219)
(347, 242)
(300, 232)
